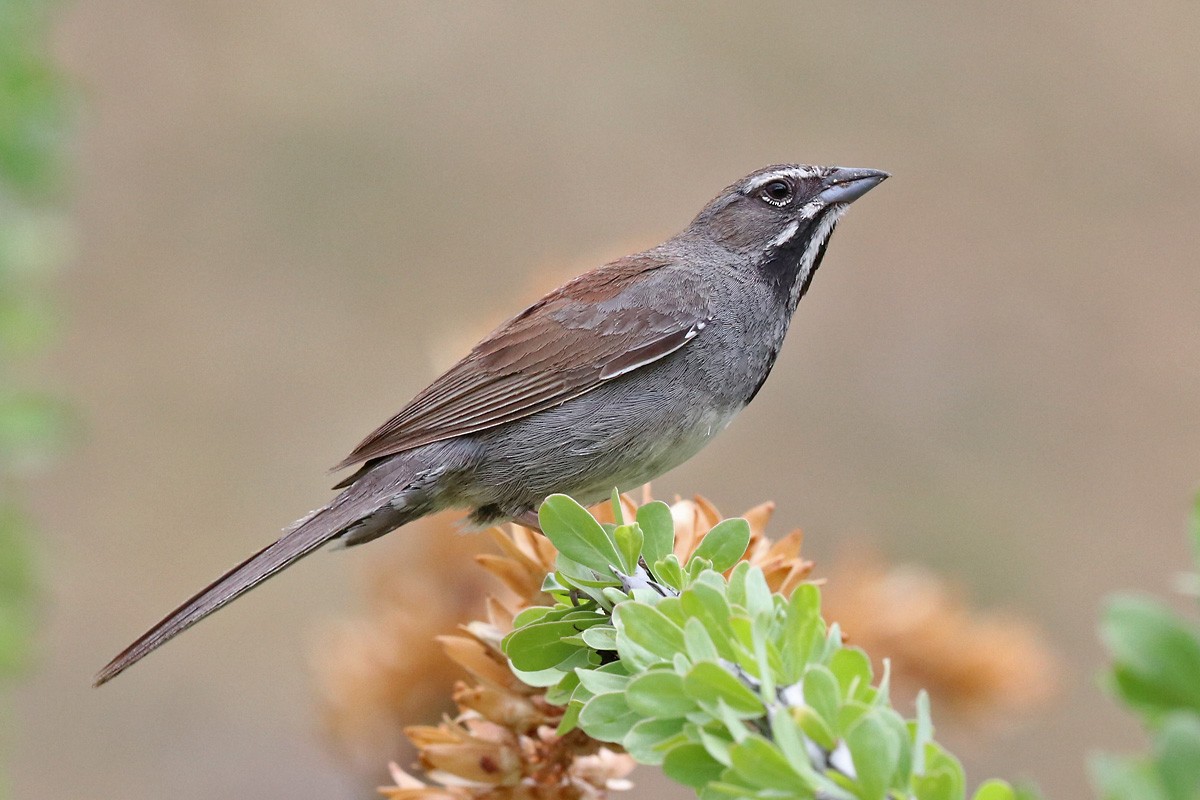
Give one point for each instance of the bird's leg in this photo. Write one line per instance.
(529, 519)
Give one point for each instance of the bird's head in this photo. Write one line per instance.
(780, 218)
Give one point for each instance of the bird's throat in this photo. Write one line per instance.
(789, 268)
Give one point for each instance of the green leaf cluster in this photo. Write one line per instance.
(32, 113)
(732, 689)
(1156, 673)
(33, 240)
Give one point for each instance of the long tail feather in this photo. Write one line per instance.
(266, 562)
(361, 506)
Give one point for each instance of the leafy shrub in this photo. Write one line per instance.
(1156, 674)
(699, 667)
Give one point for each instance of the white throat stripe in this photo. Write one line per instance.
(809, 258)
(786, 234)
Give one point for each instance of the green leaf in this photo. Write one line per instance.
(584, 581)
(658, 528)
(553, 586)
(697, 641)
(804, 631)
(852, 669)
(617, 511)
(647, 740)
(720, 790)
(708, 605)
(766, 674)
(577, 534)
(816, 727)
(902, 772)
(713, 580)
(1156, 657)
(876, 754)
(671, 607)
(668, 571)
(575, 575)
(629, 546)
(608, 717)
(821, 692)
(736, 593)
(1177, 756)
(759, 600)
(849, 714)
(883, 697)
(790, 738)
(943, 778)
(691, 765)
(540, 645)
(601, 637)
(732, 722)
(552, 676)
(561, 693)
(718, 744)
(743, 642)
(1195, 531)
(936, 786)
(832, 643)
(994, 790)
(761, 764)
(922, 733)
(725, 544)
(695, 567)
(614, 595)
(1125, 779)
(570, 718)
(659, 694)
(707, 683)
(649, 629)
(31, 426)
(1027, 791)
(598, 681)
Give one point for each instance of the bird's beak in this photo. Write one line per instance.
(847, 184)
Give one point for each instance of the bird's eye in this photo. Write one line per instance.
(777, 192)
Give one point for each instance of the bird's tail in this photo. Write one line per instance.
(351, 510)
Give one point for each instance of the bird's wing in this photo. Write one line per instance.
(598, 327)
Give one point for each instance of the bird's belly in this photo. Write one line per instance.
(585, 450)
(628, 464)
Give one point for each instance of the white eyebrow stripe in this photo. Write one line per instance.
(800, 173)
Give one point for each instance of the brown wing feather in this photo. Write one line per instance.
(583, 334)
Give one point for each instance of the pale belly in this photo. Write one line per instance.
(588, 450)
(648, 460)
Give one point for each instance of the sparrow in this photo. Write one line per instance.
(606, 382)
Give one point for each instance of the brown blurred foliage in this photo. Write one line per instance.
(982, 666)
(376, 673)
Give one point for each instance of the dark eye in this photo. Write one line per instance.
(777, 193)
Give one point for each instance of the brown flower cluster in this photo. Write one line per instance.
(780, 561)
(976, 664)
(503, 744)
(380, 672)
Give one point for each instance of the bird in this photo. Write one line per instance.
(605, 383)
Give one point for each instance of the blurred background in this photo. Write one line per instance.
(289, 215)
